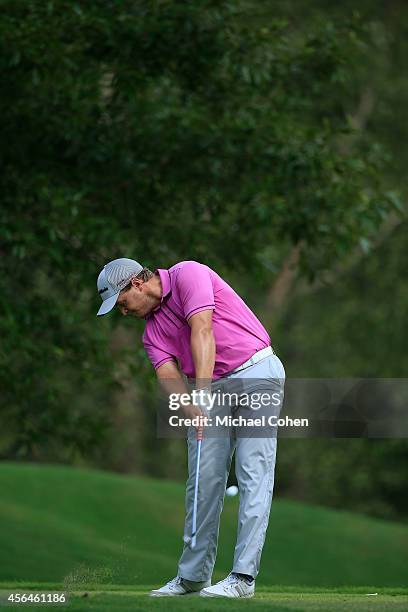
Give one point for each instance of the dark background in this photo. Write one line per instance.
(267, 140)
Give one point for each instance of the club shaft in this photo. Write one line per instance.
(195, 503)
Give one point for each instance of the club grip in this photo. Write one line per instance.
(200, 433)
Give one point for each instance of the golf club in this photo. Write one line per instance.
(200, 432)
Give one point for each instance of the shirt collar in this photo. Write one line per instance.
(165, 281)
(166, 287)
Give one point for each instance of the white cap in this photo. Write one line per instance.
(113, 278)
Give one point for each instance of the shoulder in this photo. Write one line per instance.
(188, 268)
(186, 265)
(191, 276)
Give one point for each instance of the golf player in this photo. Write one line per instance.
(197, 327)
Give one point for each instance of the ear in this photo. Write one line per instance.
(136, 282)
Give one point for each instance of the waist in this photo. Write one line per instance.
(256, 357)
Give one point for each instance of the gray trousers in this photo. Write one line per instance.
(255, 455)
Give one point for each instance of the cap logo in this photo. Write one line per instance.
(103, 290)
(122, 283)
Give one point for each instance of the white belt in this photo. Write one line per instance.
(254, 359)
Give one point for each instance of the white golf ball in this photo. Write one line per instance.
(232, 491)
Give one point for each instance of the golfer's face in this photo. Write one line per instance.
(133, 302)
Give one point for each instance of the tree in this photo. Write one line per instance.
(160, 131)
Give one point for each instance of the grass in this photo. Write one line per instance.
(121, 598)
(114, 537)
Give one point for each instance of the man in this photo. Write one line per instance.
(197, 325)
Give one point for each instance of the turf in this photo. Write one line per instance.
(78, 527)
(121, 598)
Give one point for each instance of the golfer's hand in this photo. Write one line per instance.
(190, 412)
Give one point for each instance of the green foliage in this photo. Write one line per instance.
(121, 110)
(363, 330)
(160, 131)
(367, 476)
(329, 333)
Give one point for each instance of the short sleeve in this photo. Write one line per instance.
(157, 356)
(195, 289)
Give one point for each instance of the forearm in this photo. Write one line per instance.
(172, 382)
(171, 379)
(203, 352)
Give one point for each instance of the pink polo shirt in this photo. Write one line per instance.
(190, 287)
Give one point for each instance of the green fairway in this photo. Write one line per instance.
(94, 598)
(76, 527)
